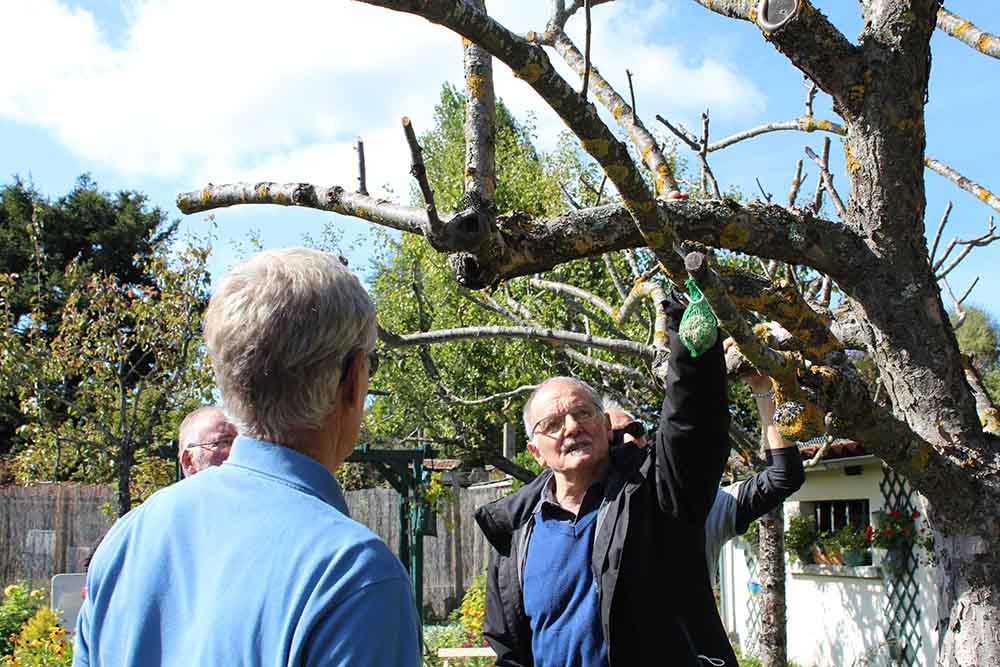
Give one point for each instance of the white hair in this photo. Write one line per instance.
(576, 382)
(279, 329)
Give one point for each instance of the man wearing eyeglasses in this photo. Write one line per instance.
(204, 439)
(600, 561)
(256, 562)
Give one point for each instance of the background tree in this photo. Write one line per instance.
(104, 383)
(114, 234)
(929, 420)
(979, 336)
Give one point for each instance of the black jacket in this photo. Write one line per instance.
(648, 556)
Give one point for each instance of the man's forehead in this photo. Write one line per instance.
(560, 393)
(212, 422)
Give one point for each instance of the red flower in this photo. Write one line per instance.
(915, 515)
(904, 530)
(887, 531)
(894, 515)
(868, 532)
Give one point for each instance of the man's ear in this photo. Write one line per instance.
(351, 389)
(536, 454)
(187, 463)
(607, 427)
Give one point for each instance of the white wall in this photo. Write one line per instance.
(833, 621)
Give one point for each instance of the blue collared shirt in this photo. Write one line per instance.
(254, 562)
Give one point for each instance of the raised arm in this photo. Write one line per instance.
(692, 442)
(784, 473)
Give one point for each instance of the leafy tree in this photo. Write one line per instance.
(105, 382)
(113, 234)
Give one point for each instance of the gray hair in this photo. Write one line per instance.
(576, 382)
(611, 404)
(279, 329)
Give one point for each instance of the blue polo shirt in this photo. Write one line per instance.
(254, 562)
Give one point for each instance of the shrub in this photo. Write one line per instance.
(524, 459)
(473, 609)
(42, 641)
(800, 537)
(19, 604)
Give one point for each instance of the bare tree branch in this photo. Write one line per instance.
(434, 230)
(362, 177)
(644, 142)
(801, 124)
(793, 191)
(575, 292)
(656, 293)
(980, 241)
(706, 171)
(964, 183)
(827, 178)
(937, 234)
(480, 123)
(966, 32)
(540, 333)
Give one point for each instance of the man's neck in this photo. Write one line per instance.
(571, 489)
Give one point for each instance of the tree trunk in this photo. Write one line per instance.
(124, 470)
(772, 638)
(969, 592)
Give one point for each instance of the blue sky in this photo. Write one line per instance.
(164, 96)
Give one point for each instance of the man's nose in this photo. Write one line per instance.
(570, 424)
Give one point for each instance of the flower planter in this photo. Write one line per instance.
(854, 558)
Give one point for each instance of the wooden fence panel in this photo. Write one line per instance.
(50, 528)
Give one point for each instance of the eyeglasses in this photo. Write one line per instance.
(224, 442)
(551, 425)
(373, 360)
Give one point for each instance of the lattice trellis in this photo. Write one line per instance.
(753, 612)
(902, 611)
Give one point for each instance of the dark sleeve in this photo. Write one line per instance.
(500, 637)
(767, 489)
(692, 442)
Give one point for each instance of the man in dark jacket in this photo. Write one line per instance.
(601, 559)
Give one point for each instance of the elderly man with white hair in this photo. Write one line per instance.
(204, 439)
(256, 562)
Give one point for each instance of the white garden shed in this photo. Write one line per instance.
(839, 616)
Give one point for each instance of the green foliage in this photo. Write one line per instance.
(112, 234)
(899, 530)
(847, 539)
(524, 459)
(449, 636)
(752, 534)
(41, 641)
(109, 378)
(800, 536)
(19, 604)
(979, 336)
(414, 289)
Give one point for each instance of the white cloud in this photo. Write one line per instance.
(231, 89)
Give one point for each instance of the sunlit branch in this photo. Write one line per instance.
(964, 183)
(966, 32)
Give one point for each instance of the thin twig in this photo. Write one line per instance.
(680, 133)
(362, 183)
(793, 192)
(600, 191)
(569, 197)
(706, 171)
(417, 169)
(980, 241)
(810, 95)
(964, 183)
(818, 195)
(586, 51)
(631, 91)
(937, 234)
(827, 177)
(760, 186)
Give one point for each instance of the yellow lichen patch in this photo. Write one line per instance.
(281, 198)
(920, 458)
(660, 184)
(961, 27)
(596, 147)
(475, 85)
(262, 190)
(805, 425)
(659, 334)
(821, 349)
(206, 196)
(583, 245)
(618, 111)
(734, 236)
(852, 164)
(907, 123)
(856, 94)
(530, 73)
(646, 150)
(827, 126)
(983, 42)
(618, 173)
(984, 194)
(761, 330)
